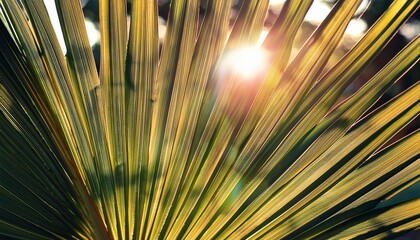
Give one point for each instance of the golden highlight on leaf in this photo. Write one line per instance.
(176, 139)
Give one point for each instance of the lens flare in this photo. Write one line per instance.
(248, 62)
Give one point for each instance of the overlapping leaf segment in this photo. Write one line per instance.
(164, 144)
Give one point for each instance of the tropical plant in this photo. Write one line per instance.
(170, 144)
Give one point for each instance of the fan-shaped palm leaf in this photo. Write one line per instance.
(171, 144)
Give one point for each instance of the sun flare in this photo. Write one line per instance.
(248, 62)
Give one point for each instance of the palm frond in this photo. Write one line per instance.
(167, 142)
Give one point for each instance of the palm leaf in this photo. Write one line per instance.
(170, 143)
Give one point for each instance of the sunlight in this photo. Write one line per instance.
(317, 12)
(262, 37)
(276, 5)
(52, 12)
(93, 32)
(362, 7)
(356, 28)
(161, 29)
(276, 2)
(410, 30)
(248, 62)
(91, 28)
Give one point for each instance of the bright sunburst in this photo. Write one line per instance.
(248, 62)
